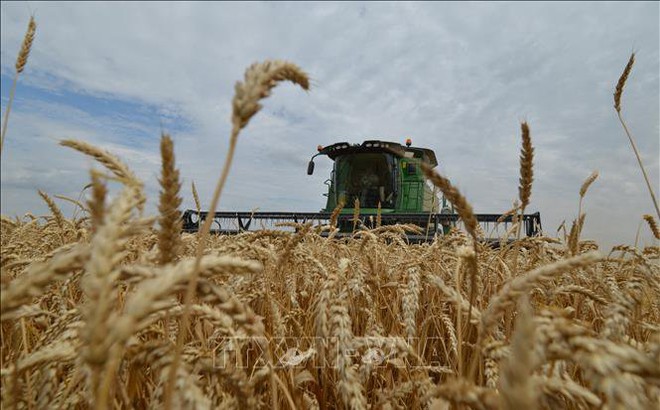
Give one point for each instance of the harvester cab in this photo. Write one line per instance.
(379, 174)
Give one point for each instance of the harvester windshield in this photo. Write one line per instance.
(367, 177)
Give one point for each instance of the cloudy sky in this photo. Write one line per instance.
(457, 78)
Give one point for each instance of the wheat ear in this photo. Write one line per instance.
(349, 386)
(259, 81)
(622, 82)
(617, 106)
(585, 186)
(54, 209)
(587, 183)
(198, 206)
(462, 206)
(111, 162)
(96, 203)
(410, 302)
(169, 236)
(379, 217)
(653, 226)
(21, 61)
(356, 213)
(526, 167)
(574, 235)
(335, 213)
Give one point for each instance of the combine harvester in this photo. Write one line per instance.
(381, 178)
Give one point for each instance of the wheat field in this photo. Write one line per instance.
(119, 309)
(293, 319)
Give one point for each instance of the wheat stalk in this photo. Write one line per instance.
(617, 106)
(259, 81)
(72, 201)
(517, 390)
(349, 386)
(21, 61)
(99, 286)
(464, 210)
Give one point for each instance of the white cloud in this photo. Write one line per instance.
(455, 77)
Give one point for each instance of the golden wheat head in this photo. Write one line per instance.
(652, 225)
(169, 236)
(622, 82)
(526, 166)
(21, 61)
(260, 79)
(587, 183)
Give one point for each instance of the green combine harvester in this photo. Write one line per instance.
(385, 181)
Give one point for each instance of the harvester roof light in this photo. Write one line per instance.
(319, 148)
(408, 142)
